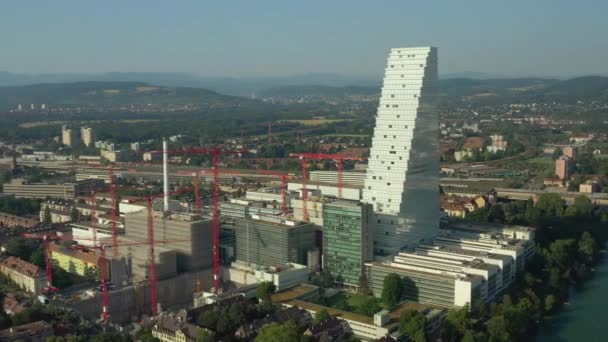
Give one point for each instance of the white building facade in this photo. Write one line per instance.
(402, 181)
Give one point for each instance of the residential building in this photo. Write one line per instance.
(111, 156)
(498, 143)
(402, 180)
(80, 262)
(588, 187)
(67, 136)
(87, 136)
(563, 167)
(38, 331)
(169, 328)
(348, 240)
(272, 241)
(27, 276)
(135, 146)
(14, 221)
(570, 152)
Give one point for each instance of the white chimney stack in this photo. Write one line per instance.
(165, 176)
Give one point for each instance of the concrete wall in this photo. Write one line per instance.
(129, 303)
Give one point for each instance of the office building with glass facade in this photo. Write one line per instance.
(347, 239)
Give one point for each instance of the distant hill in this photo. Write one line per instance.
(317, 90)
(579, 88)
(453, 87)
(458, 87)
(113, 93)
(225, 85)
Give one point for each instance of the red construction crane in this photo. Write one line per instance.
(46, 239)
(112, 182)
(337, 157)
(283, 177)
(197, 183)
(105, 295)
(215, 152)
(93, 218)
(320, 156)
(151, 242)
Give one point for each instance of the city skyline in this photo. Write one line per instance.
(273, 39)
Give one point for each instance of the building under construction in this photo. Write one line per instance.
(273, 241)
(191, 236)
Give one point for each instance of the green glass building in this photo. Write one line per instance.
(347, 239)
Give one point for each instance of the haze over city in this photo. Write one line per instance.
(274, 171)
(278, 38)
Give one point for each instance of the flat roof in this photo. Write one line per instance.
(293, 293)
(332, 311)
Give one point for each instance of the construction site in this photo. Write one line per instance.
(158, 252)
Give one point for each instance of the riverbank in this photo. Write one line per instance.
(585, 317)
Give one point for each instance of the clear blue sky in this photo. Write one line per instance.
(270, 38)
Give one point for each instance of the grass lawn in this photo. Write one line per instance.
(541, 161)
(351, 302)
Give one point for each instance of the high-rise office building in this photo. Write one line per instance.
(347, 239)
(272, 241)
(402, 181)
(87, 135)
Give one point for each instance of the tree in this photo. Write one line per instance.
(468, 336)
(279, 332)
(46, 220)
(321, 316)
(265, 289)
(587, 248)
(236, 313)
(204, 336)
(208, 319)
(364, 285)
(392, 290)
(37, 258)
(550, 303)
(557, 153)
(551, 205)
(581, 207)
(497, 329)
(457, 321)
(412, 323)
(21, 248)
(74, 215)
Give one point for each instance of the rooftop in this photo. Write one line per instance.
(29, 329)
(22, 266)
(293, 293)
(334, 312)
(89, 257)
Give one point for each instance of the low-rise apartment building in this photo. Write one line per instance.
(27, 276)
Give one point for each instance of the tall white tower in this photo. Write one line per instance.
(402, 180)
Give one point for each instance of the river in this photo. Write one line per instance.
(586, 317)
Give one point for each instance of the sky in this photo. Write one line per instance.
(253, 38)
